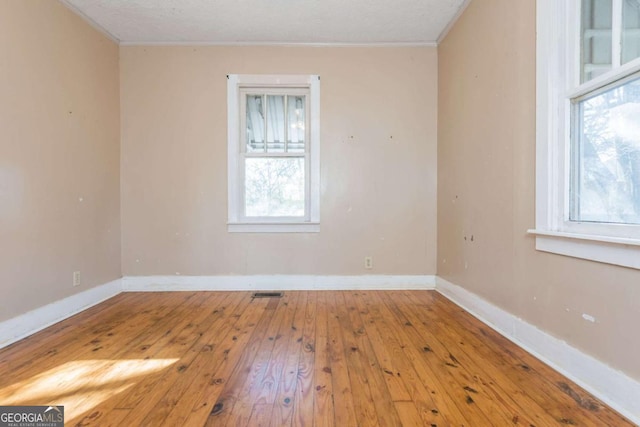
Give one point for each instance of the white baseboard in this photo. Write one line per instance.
(26, 324)
(275, 283)
(613, 387)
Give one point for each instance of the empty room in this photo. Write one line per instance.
(320, 213)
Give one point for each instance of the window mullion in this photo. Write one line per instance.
(277, 154)
(240, 161)
(265, 102)
(241, 196)
(307, 186)
(286, 123)
(616, 34)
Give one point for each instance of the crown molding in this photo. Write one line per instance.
(453, 21)
(90, 21)
(276, 44)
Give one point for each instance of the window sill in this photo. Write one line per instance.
(290, 227)
(610, 250)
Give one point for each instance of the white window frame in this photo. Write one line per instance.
(558, 82)
(237, 222)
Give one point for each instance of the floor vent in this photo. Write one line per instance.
(267, 295)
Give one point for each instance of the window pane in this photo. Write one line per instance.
(296, 109)
(606, 160)
(630, 30)
(274, 186)
(275, 123)
(596, 38)
(255, 123)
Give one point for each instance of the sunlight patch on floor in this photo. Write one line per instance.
(80, 385)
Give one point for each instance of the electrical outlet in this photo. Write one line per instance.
(368, 262)
(76, 278)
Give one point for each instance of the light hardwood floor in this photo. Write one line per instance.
(351, 358)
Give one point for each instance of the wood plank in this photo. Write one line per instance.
(323, 408)
(182, 342)
(530, 377)
(285, 395)
(55, 339)
(221, 319)
(385, 342)
(304, 392)
(409, 415)
(396, 332)
(260, 415)
(463, 384)
(388, 363)
(363, 402)
(160, 343)
(473, 375)
(491, 377)
(385, 410)
(217, 365)
(343, 396)
(260, 385)
(261, 388)
(260, 347)
(75, 324)
(100, 357)
(269, 383)
(434, 369)
(233, 369)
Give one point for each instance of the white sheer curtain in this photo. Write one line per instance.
(255, 122)
(275, 123)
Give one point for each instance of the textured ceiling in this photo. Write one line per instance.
(270, 21)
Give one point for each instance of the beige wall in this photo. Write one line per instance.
(59, 142)
(378, 157)
(486, 185)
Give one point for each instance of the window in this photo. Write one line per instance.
(605, 163)
(588, 130)
(273, 153)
